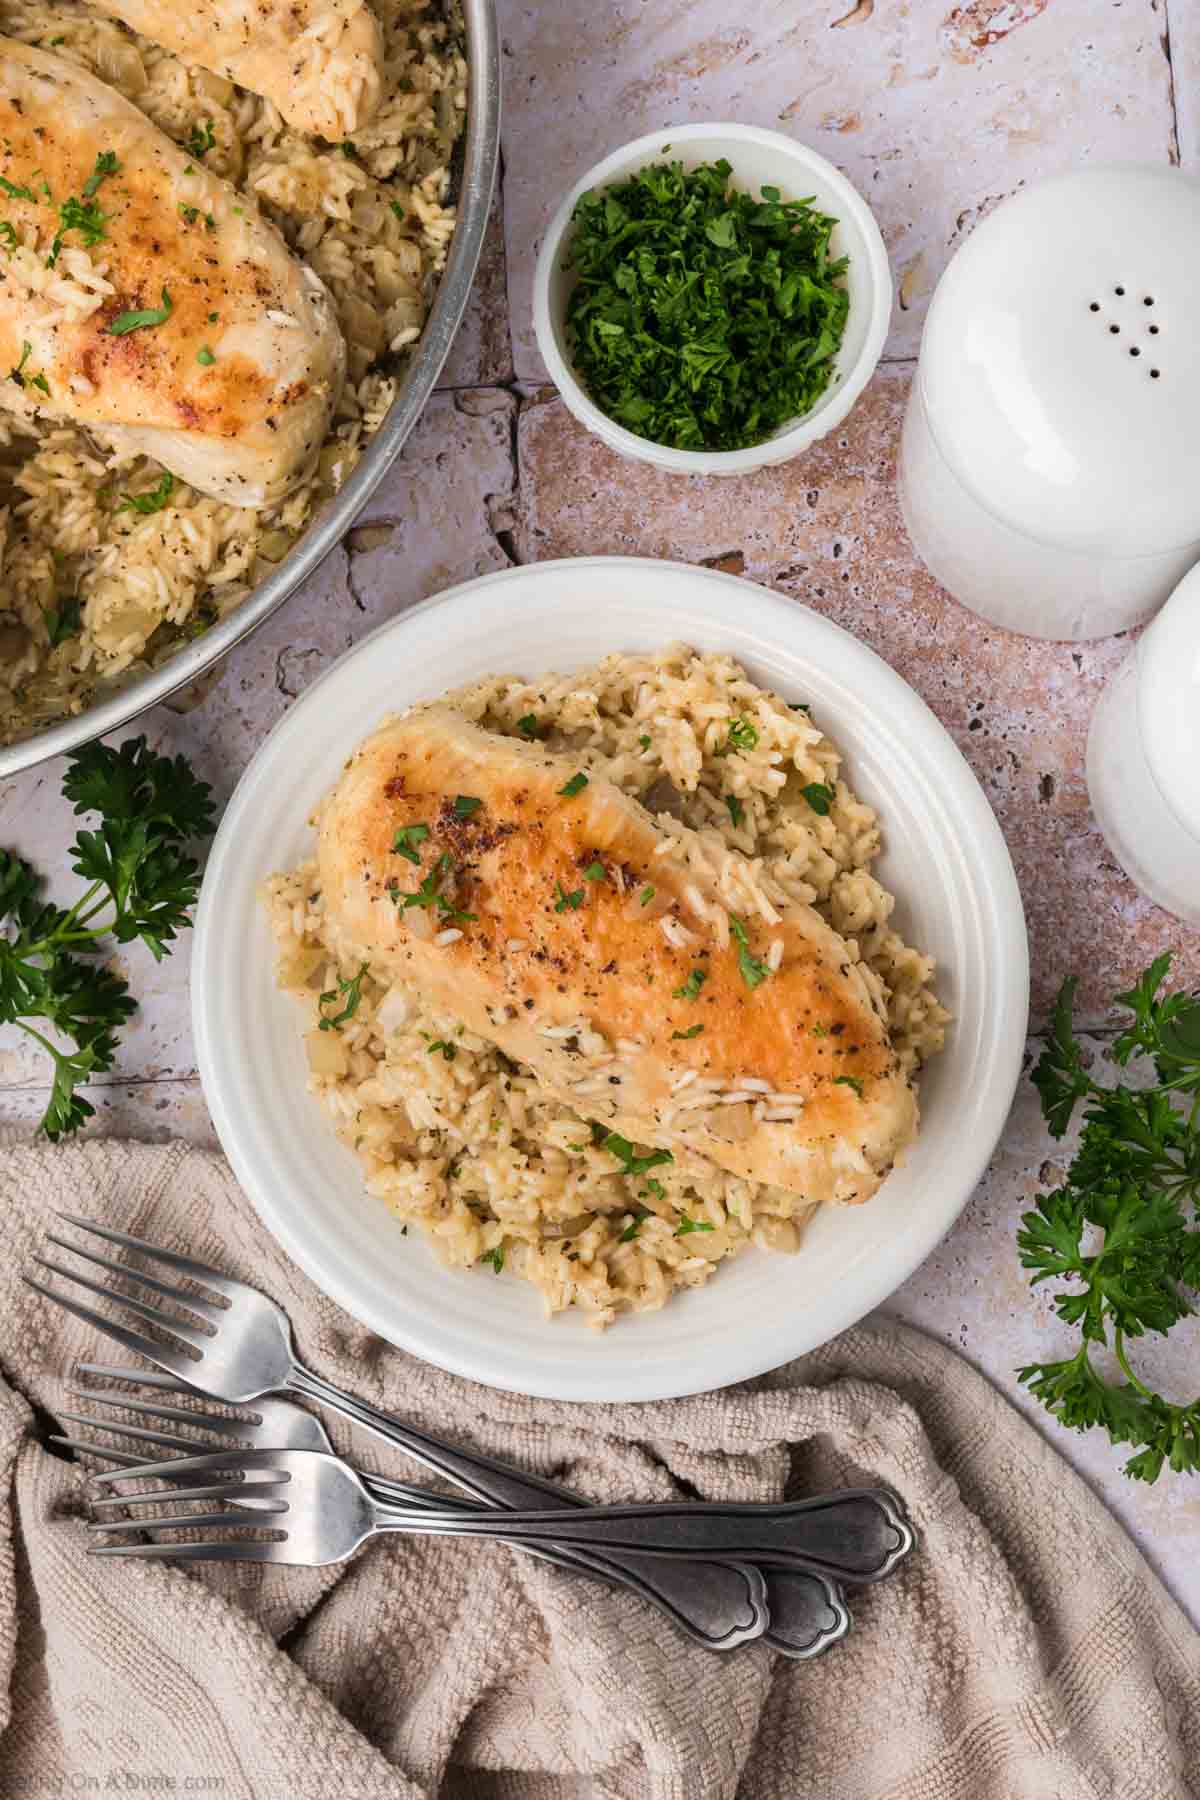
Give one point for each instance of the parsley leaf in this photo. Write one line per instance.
(819, 797)
(528, 726)
(106, 164)
(139, 876)
(465, 805)
(406, 840)
(16, 192)
(153, 499)
(850, 1081)
(205, 357)
(1131, 1194)
(565, 901)
(62, 622)
(753, 971)
(737, 811)
(429, 894)
(575, 786)
(595, 871)
(137, 321)
(691, 987)
(495, 1257)
(687, 1225)
(742, 736)
(632, 1163)
(647, 894)
(440, 1046)
(352, 990)
(8, 234)
(701, 317)
(201, 140)
(693, 1031)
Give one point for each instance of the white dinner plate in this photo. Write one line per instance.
(944, 858)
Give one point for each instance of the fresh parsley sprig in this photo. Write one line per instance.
(1135, 1179)
(141, 883)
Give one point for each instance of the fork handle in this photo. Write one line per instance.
(719, 1603)
(856, 1535)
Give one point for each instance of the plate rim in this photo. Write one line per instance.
(873, 1286)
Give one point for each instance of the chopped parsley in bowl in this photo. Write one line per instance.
(701, 317)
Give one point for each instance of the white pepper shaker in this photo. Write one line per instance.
(1050, 466)
(1143, 760)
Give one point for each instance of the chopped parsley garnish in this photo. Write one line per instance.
(205, 357)
(753, 971)
(349, 991)
(465, 805)
(654, 1188)
(62, 622)
(633, 1164)
(15, 192)
(153, 500)
(632, 1229)
(398, 210)
(691, 987)
(429, 893)
(575, 786)
(39, 381)
(136, 321)
(819, 797)
(106, 164)
(647, 894)
(528, 726)
(850, 1081)
(565, 901)
(820, 1031)
(703, 318)
(495, 1257)
(439, 1046)
(742, 736)
(15, 373)
(85, 217)
(348, 147)
(595, 871)
(406, 840)
(691, 1032)
(644, 742)
(687, 1224)
(8, 233)
(799, 706)
(190, 214)
(737, 811)
(201, 140)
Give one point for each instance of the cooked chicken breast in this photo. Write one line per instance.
(144, 296)
(557, 920)
(318, 61)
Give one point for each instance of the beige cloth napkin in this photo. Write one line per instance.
(1026, 1653)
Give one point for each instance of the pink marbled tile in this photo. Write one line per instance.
(827, 530)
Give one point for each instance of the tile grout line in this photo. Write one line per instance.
(1173, 150)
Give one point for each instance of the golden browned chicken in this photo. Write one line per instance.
(318, 61)
(144, 296)
(539, 907)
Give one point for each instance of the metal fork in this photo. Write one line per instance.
(280, 1424)
(323, 1512)
(238, 1347)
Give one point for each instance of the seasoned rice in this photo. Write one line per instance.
(371, 217)
(458, 1139)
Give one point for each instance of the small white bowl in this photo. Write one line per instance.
(757, 158)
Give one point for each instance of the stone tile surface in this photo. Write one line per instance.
(481, 354)
(935, 112)
(826, 530)
(1182, 31)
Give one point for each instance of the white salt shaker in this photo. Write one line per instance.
(1143, 761)
(1050, 466)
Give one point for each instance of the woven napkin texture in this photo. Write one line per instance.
(1025, 1652)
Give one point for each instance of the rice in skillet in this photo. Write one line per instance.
(94, 590)
(458, 1139)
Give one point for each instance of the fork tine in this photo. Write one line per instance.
(213, 1278)
(239, 1550)
(209, 1464)
(125, 1457)
(190, 1334)
(129, 1273)
(156, 1378)
(204, 1521)
(180, 1415)
(181, 1444)
(133, 1341)
(220, 1490)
